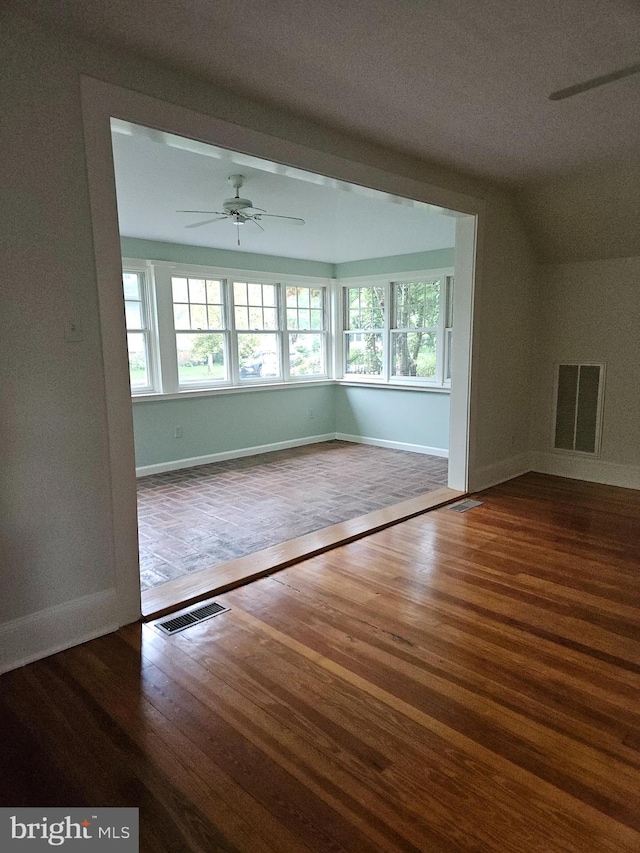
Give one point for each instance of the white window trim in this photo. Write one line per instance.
(387, 379)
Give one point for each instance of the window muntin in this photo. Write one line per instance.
(199, 324)
(137, 322)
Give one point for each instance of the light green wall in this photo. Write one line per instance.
(218, 423)
(434, 260)
(132, 247)
(393, 414)
(222, 422)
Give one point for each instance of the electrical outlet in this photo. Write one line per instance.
(177, 432)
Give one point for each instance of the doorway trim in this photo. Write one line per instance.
(102, 101)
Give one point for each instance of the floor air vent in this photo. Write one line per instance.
(463, 506)
(187, 618)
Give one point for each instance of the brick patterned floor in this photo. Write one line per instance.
(203, 516)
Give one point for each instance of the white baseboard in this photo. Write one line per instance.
(394, 445)
(54, 629)
(191, 462)
(591, 470)
(499, 472)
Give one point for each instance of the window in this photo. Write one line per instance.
(137, 317)
(306, 333)
(364, 332)
(199, 323)
(255, 308)
(399, 331)
(215, 329)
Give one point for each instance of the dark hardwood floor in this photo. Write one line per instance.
(457, 682)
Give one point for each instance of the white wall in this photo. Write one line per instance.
(590, 311)
(502, 349)
(57, 550)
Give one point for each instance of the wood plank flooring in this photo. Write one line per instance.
(453, 683)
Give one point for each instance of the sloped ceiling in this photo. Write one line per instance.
(461, 83)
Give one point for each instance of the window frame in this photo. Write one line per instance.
(387, 281)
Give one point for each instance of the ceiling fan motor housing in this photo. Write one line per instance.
(232, 204)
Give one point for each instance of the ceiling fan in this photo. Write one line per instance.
(239, 211)
(594, 82)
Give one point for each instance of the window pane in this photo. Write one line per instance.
(201, 358)
(366, 307)
(269, 294)
(242, 318)
(197, 292)
(292, 297)
(417, 304)
(138, 366)
(255, 318)
(303, 297)
(179, 290)
(240, 293)
(213, 292)
(181, 316)
(304, 319)
(133, 314)
(316, 298)
(364, 354)
(131, 285)
(270, 318)
(414, 354)
(198, 316)
(316, 319)
(306, 355)
(215, 317)
(258, 356)
(255, 294)
(292, 318)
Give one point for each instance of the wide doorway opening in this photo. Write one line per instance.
(241, 343)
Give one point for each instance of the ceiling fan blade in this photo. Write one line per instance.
(206, 222)
(295, 219)
(218, 212)
(602, 80)
(261, 209)
(253, 221)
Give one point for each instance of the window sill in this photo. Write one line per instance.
(229, 389)
(395, 386)
(283, 386)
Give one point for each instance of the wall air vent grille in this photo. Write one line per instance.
(187, 618)
(578, 408)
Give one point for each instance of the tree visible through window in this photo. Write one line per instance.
(399, 329)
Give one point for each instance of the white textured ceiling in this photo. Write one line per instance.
(158, 174)
(460, 82)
